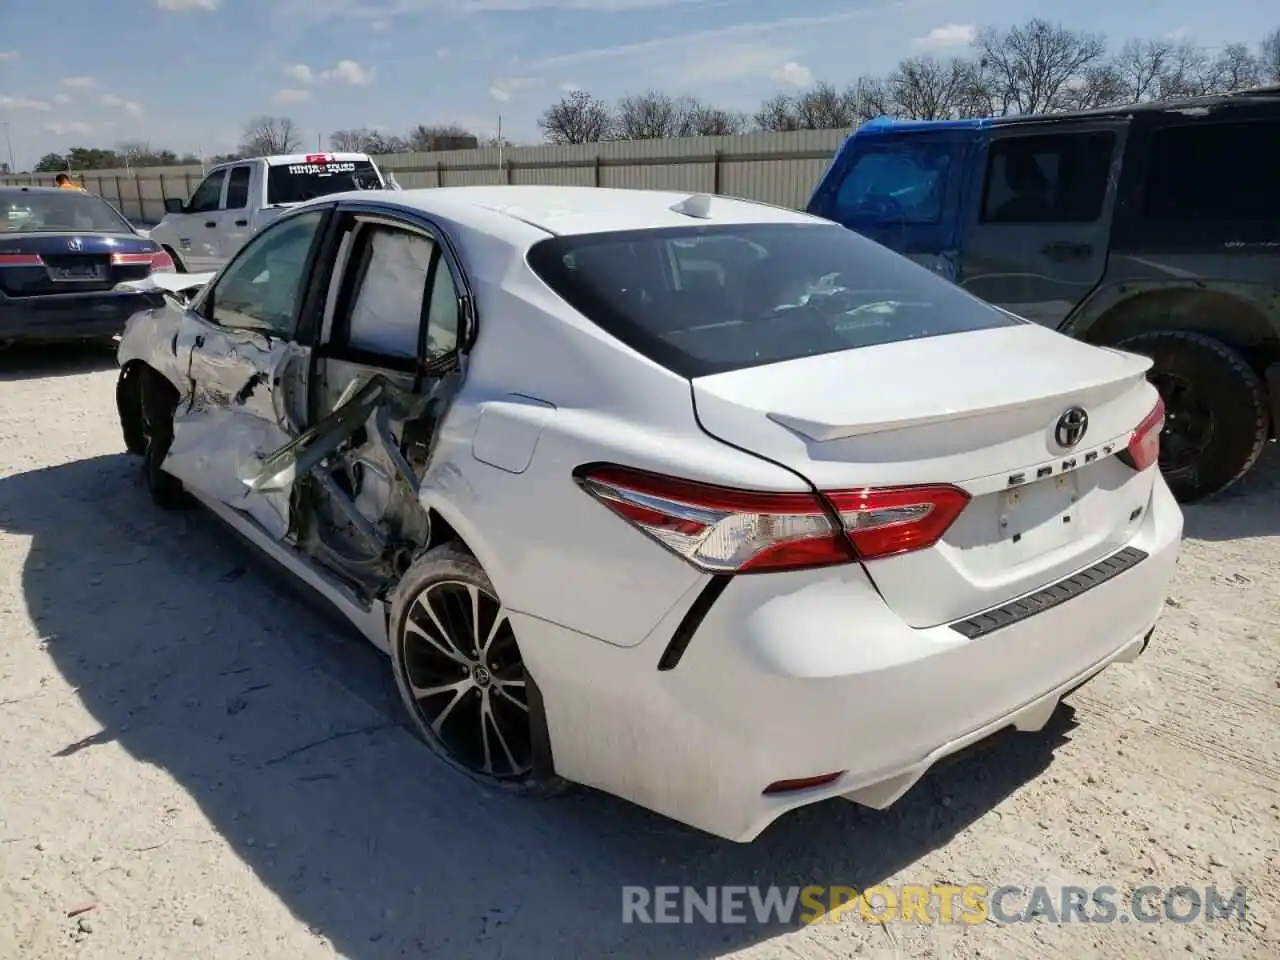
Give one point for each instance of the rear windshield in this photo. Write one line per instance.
(296, 182)
(704, 300)
(58, 211)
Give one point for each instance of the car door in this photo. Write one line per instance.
(197, 225)
(246, 340)
(235, 216)
(1038, 234)
(384, 367)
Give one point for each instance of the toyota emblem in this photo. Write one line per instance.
(75, 244)
(1071, 427)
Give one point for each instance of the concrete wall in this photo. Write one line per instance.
(779, 168)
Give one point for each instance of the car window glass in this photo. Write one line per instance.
(238, 188)
(262, 288)
(442, 314)
(1204, 172)
(1049, 179)
(707, 300)
(209, 194)
(387, 311)
(906, 183)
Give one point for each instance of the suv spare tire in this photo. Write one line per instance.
(1216, 413)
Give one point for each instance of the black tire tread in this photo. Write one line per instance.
(450, 561)
(1253, 414)
(129, 406)
(160, 396)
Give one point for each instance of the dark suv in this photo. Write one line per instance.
(1154, 228)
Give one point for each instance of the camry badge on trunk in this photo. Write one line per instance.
(75, 244)
(1071, 427)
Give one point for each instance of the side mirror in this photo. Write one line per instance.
(174, 205)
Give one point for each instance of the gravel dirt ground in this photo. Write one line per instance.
(197, 762)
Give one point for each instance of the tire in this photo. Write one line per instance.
(1217, 415)
(129, 406)
(476, 695)
(158, 399)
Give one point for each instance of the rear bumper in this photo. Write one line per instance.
(798, 675)
(67, 316)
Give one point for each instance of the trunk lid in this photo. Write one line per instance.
(977, 410)
(70, 262)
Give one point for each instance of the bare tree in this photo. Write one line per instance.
(1098, 86)
(266, 135)
(925, 88)
(1138, 68)
(431, 139)
(1236, 68)
(1188, 72)
(649, 116)
(703, 120)
(1031, 66)
(1269, 58)
(577, 118)
(777, 114)
(824, 108)
(869, 98)
(363, 140)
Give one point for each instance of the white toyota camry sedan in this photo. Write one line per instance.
(709, 504)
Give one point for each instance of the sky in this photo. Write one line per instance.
(186, 74)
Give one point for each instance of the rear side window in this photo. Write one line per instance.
(904, 183)
(1207, 171)
(1050, 179)
(706, 300)
(296, 182)
(387, 311)
(238, 188)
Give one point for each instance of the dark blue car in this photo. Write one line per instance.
(1153, 227)
(62, 254)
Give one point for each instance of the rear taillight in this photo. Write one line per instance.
(883, 521)
(20, 260)
(725, 530)
(159, 262)
(1144, 446)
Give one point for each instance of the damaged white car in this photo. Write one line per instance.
(712, 505)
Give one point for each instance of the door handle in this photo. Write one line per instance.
(242, 223)
(1066, 250)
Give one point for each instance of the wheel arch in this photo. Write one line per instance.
(1231, 316)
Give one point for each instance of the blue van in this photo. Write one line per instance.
(1152, 227)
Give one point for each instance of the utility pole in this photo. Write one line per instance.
(8, 136)
(500, 143)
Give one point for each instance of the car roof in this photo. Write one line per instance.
(889, 126)
(524, 215)
(16, 188)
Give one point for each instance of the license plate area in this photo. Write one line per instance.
(80, 273)
(1041, 516)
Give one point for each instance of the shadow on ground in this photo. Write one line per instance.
(21, 362)
(284, 727)
(1249, 508)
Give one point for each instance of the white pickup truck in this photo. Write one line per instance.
(236, 200)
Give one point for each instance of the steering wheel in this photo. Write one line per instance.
(882, 207)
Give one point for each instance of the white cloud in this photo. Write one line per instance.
(80, 83)
(444, 53)
(291, 95)
(952, 35)
(69, 127)
(503, 89)
(382, 26)
(793, 74)
(111, 100)
(133, 109)
(728, 63)
(22, 103)
(348, 71)
(8, 55)
(62, 98)
(300, 72)
(699, 39)
(1178, 35)
(570, 87)
(188, 4)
